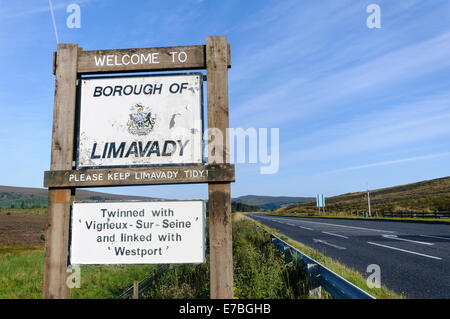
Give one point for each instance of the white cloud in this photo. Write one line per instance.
(314, 97)
(397, 126)
(392, 162)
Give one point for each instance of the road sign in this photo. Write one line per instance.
(125, 119)
(161, 232)
(140, 120)
(320, 200)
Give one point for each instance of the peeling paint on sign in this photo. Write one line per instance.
(136, 121)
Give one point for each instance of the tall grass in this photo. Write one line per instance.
(108, 281)
(346, 272)
(259, 271)
(185, 281)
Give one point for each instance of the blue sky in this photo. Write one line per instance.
(353, 104)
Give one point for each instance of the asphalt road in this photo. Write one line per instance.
(414, 258)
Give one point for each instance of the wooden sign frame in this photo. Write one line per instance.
(70, 62)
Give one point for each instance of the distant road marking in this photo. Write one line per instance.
(290, 224)
(305, 228)
(378, 230)
(328, 244)
(337, 235)
(412, 241)
(406, 251)
(446, 238)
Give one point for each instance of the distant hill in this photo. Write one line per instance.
(429, 195)
(270, 202)
(27, 197)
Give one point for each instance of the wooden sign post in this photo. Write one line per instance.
(62, 155)
(221, 260)
(70, 63)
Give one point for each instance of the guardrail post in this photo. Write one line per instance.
(136, 289)
(315, 290)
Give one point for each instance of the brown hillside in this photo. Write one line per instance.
(427, 195)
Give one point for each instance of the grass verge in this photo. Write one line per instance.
(344, 271)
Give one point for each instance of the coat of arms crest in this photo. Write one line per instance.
(141, 121)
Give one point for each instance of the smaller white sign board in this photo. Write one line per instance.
(162, 232)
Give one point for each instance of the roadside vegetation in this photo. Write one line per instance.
(346, 272)
(259, 269)
(259, 272)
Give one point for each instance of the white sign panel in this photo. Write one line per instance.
(138, 121)
(163, 232)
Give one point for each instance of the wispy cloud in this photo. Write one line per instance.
(397, 126)
(42, 7)
(319, 96)
(392, 162)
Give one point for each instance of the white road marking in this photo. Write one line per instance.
(404, 250)
(327, 243)
(305, 228)
(371, 229)
(290, 224)
(337, 235)
(412, 241)
(446, 238)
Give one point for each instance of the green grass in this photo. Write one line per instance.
(21, 271)
(186, 281)
(259, 271)
(108, 281)
(344, 271)
(23, 211)
(21, 276)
